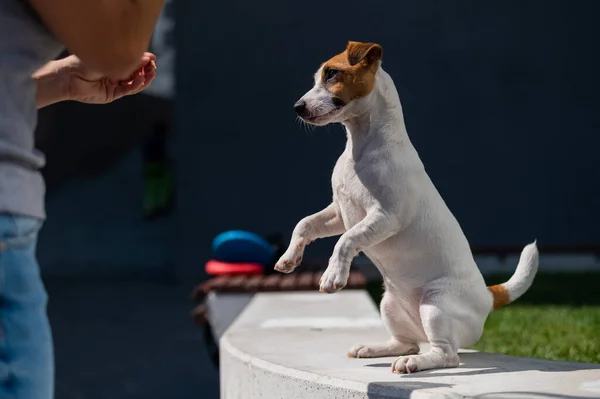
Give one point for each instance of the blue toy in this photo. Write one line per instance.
(242, 246)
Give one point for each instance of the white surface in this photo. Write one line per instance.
(322, 322)
(301, 361)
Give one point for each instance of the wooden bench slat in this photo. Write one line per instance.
(302, 281)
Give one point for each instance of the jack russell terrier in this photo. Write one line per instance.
(385, 205)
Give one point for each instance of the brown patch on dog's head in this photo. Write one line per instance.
(351, 75)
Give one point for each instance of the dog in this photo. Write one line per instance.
(386, 206)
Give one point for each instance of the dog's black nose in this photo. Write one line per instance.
(300, 107)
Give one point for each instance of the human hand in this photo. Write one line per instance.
(88, 86)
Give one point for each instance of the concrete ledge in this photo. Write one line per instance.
(293, 345)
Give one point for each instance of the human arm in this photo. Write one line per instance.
(109, 36)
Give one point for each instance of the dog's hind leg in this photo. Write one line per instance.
(392, 347)
(402, 326)
(443, 334)
(325, 223)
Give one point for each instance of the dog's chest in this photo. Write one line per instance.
(348, 193)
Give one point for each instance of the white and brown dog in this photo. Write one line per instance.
(385, 205)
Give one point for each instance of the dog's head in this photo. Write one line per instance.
(340, 84)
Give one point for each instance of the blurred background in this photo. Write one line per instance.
(500, 99)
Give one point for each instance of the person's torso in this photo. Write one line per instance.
(25, 45)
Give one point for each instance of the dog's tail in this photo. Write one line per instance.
(520, 281)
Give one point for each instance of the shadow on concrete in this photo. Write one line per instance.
(527, 395)
(381, 390)
(403, 390)
(480, 361)
(477, 364)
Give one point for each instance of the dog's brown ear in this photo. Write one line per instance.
(365, 53)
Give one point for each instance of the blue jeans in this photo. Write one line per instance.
(26, 352)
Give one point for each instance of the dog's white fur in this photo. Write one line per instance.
(385, 205)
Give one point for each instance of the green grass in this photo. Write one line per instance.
(553, 332)
(557, 319)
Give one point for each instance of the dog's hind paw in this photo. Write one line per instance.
(359, 351)
(405, 365)
(426, 361)
(388, 348)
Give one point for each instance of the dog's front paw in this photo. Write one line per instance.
(288, 261)
(292, 256)
(334, 279)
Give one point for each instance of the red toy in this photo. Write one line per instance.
(217, 268)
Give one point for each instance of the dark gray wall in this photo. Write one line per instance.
(94, 201)
(500, 99)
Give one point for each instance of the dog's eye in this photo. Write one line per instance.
(330, 74)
